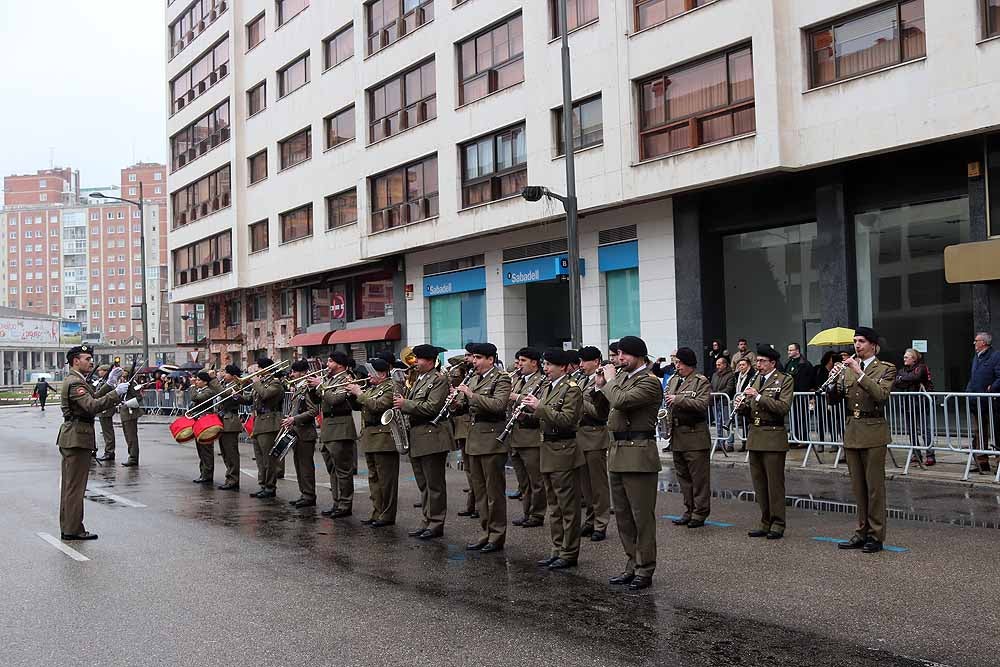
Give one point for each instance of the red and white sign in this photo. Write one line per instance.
(28, 331)
(338, 306)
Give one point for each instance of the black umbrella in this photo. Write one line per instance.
(192, 366)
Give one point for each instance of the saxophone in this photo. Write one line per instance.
(396, 420)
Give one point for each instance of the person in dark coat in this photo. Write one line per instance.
(984, 378)
(914, 376)
(42, 388)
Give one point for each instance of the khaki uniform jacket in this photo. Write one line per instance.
(128, 414)
(423, 402)
(689, 413)
(634, 402)
(304, 410)
(592, 435)
(488, 406)
(268, 406)
(865, 400)
(110, 412)
(767, 414)
(229, 410)
(559, 414)
(338, 416)
(204, 394)
(373, 402)
(460, 417)
(80, 403)
(525, 431)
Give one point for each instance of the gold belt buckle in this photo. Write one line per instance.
(756, 421)
(857, 414)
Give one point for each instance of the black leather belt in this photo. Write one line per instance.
(764, 422)
(476, 419)
(633, 435)
(556, 437)
(858, 414)
(592, 422)
(419, 422)
(688, 422)
(373, 423)
(335, 414)
(82, 420)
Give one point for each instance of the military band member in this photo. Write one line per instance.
(380, 450)
(613, 354)
(205, 388)
(460, 420)
(130, 423)
(558, 413)
(593, 440)
(232, 426)
(634, 396)
(303, 420)
(268, 397)
(768, 400)
(487, 394)
(865, 386)
(80, 403)
(429, 443)
(337, 434)
(525, 441)
(107, 419)
(688, 396)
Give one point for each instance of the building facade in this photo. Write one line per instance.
(348, 174)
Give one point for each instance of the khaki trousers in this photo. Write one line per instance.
(383, 484)
(767, 470)
(108, 433)
(634, 497)
(595, 490)
(470, 497)
(520, 473)
(206, 459)
(562, 490)
(430, 475)
(131, 430)
(693, 470)
(533, 492)
(229, 446)
(73, 486)
(340, 457)
(490, 486)
(305, 467)
(867, 467)
(267, 465)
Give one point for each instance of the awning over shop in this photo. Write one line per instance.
(310, 339)
(364, 334)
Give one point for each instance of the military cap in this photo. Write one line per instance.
(558, 357)
(485, 350)
(613, 348)
(75, 352)
(429, 352)
(868, 334)
(469, 347)
(529, 353)
(686, 356)
(264, 362)
(590, 353)
(340, 358)
(768, 352)
(573, 356)
(379, 364)
(300, 366)
(233, 370)
(633, 345)
(203, 376)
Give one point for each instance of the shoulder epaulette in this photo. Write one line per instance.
(573, 383)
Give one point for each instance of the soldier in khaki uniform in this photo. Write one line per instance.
(381, 454)
(460, 420)
(337, 434)
(268, 398)
(80, 404)
(593, 440)
(487, 394)
(766, 403)
(558, 413)
(429, 443)
(688, 396)
(129, 416)
(525, 441)
(107, 419)
(232, 426)
(634, 395)
(205, 388)
(865, 385)
(303, 420)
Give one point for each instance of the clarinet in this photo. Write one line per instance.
(516, 412)
(445, 412)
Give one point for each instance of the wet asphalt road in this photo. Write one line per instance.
(188, 575)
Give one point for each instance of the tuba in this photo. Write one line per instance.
(398, 423)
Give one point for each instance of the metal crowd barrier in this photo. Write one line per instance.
(970, 426)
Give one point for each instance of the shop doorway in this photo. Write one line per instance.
(547, 308)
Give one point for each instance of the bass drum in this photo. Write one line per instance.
(207, 428)
(182, 429)
(283, 445)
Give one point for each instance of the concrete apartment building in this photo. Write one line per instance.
(347, 174)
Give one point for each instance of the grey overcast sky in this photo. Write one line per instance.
(82, 86)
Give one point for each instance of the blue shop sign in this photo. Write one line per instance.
(538, 269)
(468, 280)
(618, 256)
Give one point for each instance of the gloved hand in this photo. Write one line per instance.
(121, 388)
(115, 374)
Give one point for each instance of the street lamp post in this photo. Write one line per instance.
(142, 264)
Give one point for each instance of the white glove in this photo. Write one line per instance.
(121, 388)
(115, 373)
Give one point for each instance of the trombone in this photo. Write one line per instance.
(297, 382)
(228, 392)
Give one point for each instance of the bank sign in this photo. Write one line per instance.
(537, 269)
(469, 280)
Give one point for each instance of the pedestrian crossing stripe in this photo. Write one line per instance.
(717, 524)
(837, 540)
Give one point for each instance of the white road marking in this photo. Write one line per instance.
(96, 490)
(72, 553)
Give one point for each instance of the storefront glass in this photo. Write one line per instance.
(458, 319)
(623, 302)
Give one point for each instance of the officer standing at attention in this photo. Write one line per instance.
(130, 424)
(381, 454)
(302, 419)
(558, 415)
(688, 396)
(232, 426)
(525, 441)
(268, 399)
(107, 418)
(593, 439)
(865, 384)
(634, 395)
(768, 400)
(80, 404)
(205, 388)
(337, 434)
(487, 394)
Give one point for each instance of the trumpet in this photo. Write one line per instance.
(231, 390)
(835, 373)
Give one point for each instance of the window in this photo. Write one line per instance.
(652, 12)
(204, 259)
(158, 190)
(258, 236)
(289, 9)
(43, 197)
(121, 215)
(340, 127)
(373, 294)
(258, 167)
(578, 13)
(991, 18)
(293, 76)
(255, 31)
(491, 61)
(494, 167)
(285, 301)
(888, 35)
(199, 137)
(295, 149)
(588, 128)
(234, 312)
(132, 178)
(257, 308)
(200, 198)
(158, 176)
(391, 20)
(697, 104)
(42, 184)
(131, 192)
(402, 102)
(405, 194)
(257, 99)
(211, 67)
(338, 47)
(296, 224)
(342, 209)
(192, 22)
